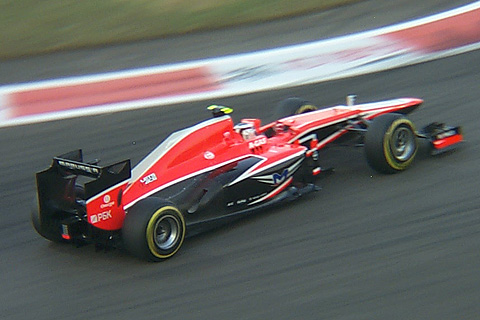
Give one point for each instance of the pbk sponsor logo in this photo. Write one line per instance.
(102, 216)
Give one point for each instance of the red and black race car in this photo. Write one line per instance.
(216, 169)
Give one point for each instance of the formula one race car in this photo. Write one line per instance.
(216, 169)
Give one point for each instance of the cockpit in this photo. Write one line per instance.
(246, 130)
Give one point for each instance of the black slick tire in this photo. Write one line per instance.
(293, 106)
(153, 229)
(390, 143)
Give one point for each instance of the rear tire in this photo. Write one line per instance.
(153, 229)
(390, 143)
(293, 106)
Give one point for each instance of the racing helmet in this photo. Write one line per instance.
(247, 130)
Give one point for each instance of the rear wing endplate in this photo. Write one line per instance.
(56, 185)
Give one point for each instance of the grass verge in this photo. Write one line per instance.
(32, 27)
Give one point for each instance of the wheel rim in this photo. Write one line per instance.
(402, 143)
(166, 232)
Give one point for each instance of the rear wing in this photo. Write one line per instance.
(70, 165)
(59, 191)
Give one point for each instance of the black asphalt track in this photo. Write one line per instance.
(367, 246)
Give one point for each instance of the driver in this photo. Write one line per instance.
(247, 130)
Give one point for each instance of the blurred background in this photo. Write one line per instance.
(32, 27)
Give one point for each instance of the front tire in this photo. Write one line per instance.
(293, 106)
(390, 143)
(153, 229)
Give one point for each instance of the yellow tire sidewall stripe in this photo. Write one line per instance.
(387, 151)
(305, 108)
(150, 229)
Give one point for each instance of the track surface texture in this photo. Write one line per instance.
(367, 246)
